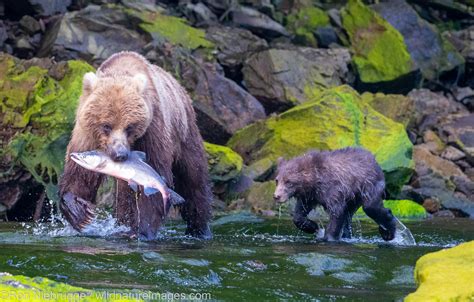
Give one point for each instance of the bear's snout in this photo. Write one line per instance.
(118, 152)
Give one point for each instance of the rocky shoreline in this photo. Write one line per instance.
(267, 79)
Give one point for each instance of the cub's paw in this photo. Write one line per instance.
(386, 234)
(77, 211)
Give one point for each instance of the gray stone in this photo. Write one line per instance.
(428, 49)
(29, 24)
(258, 23)
(282, 78)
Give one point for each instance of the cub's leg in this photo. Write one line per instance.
(373, 207)
(300, 218)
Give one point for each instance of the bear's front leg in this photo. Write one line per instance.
(77, 190)
(300, 218)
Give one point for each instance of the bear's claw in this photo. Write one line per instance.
(77, 211)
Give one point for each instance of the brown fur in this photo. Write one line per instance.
(341, 181)
(132, 104)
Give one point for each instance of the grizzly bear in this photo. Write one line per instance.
(130, 104)
(340, 181)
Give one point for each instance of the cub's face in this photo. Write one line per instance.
(114, 112)
(288, 181)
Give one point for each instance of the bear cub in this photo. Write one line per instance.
(340, 181)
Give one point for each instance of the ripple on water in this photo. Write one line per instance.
(320, 264)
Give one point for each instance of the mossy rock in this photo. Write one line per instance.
(445, 275)
(305, 22)
(21, 288)
(379, 51)
(394, 106)
(173, 29)
(260, 196)
(334, 119)
(401, 209)
(224, 164)
(41, 112)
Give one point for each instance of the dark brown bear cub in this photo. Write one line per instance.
(341, 181)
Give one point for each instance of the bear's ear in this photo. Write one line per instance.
(140, 81)
(280, 161)
(88, 82)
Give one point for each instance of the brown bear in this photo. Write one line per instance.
(341, 181)
(130, 104)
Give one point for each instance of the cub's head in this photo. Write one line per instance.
(292, 179)
(114, 112)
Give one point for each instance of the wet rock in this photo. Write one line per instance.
(326, 37)
(234, 45)
(431, 205)
(431, 108)
(395, 106)
(437, 282)
(260, 196)
(199, 14)
(93, 33)
(224, 164)
(432, 142)
(222, 106)
(380, 57)
(460, 132)
(465, 95)
(282, 78)
(260, 170)
(305, 22)
(452, 154)
(38, 111)
(258, 23)
(430, 52)
(464, 185)
(433, 180)
(29, 24)
(334, 119)
(463, 41)
(444, 214)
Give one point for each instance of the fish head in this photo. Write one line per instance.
(91, 160)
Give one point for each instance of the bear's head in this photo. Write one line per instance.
(114, 112)
(293, 179)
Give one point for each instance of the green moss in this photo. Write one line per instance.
(224, 164)
(304, 22)
(21, 288)
(394, 106)
(260, 196)
(173, 29)
(401, 209)
(43, 116)
(336, 118)
(379, 51)
(445, 275)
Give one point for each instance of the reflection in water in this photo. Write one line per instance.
(250, 256)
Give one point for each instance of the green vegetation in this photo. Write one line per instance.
(224, 164)
(304, 22)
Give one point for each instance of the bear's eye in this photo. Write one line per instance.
(129, 130)
(106, 128)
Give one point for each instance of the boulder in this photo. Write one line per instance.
(435, 179)
(430, 52)
(445, 275)
(260, 196)
(258, 23)
(93, 33)
(380, 54)
(222, 107)
(234, 45)
(334, 119)
(431, 108)
(224, 164)
(459, 130)
(199, 14)
(37, 116)
(304, 23)
(394, 106)
(282, 78)
(463, 41)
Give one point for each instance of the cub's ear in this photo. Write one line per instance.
(88, 82)
(280, 161)
(141, 81)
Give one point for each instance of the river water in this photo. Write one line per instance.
(250, 257)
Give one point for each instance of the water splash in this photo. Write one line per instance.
(102, 225)
(403, 236)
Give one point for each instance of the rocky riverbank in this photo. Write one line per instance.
(267, 79)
